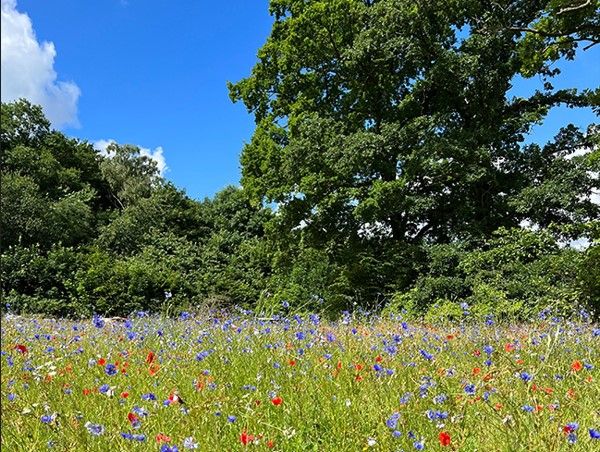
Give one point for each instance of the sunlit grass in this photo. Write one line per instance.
(299, 384)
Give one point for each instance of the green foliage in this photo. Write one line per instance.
(510, 276)
(390, 149)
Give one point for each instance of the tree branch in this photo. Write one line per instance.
(574, 8)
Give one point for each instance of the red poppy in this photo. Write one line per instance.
(270, 444)
(87, 391)
(576, 366)
(124, 395)
(568, 429)
(339, 365)
(153, 369)
(520, 361)
(509, 347)
(257, 402)
(101, 362)
(245, 438)
(150, 357)
(21, 348)
(133, 418)
(444, 439)
(276, 400)
(162, 438)
(359, 378)
(358, 367)
(477, 353)
(292, 362)
(476, 371)
(378, 359)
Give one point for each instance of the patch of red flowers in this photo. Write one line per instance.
(276, 400)
(245, 438)
(444, 439)
(576, 366)
(21, 349)
(162, 438)
(153, 369)
(150, 357)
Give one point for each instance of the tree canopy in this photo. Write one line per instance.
(389, 167)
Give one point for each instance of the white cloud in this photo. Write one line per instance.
(157, 155)
(28, 69)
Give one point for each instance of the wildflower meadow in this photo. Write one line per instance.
(292, 382)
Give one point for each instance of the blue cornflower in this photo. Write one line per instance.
(133, 437)
(405, 398)
(11, 397)
(594, 434)
(285, 304)
(104, 388)
(396, 434)
(377, 368)
(167, 448)
(425, 354)
(392, 421)
(440, 398)
(331, 337)
(94, 429)
(189, 443)
(202, 355)
(470, 389)
(525, 377)
(572, 426)
(300, 335)
(46, 419)
(572, 438)
(419, 445)
(231, 419)
(488, 349)
(148, 396)
(185, 315)
(527, 408)
(139, 411)
(111, 369)
(98, 321)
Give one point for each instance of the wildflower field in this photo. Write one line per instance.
(235, 382)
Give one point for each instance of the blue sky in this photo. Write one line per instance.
(154, 73)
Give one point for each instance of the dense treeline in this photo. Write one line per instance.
(82, 232)
(388, 168)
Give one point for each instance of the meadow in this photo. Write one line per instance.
(238, 382)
